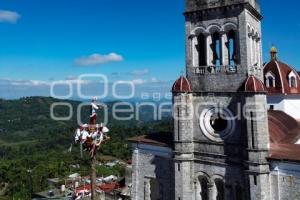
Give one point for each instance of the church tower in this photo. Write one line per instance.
(223, 37)
(220, 143)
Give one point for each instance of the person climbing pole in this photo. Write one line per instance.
(93, 111)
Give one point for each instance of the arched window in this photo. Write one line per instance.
(232, 56)
(270, 80)
(292, 80)
(216, 49)
(220, 189)
(203, 188)
(201, 48)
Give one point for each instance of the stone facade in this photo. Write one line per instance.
(285, 180)
(246, 26)
(221, 136)
(153, 173)
(220, 157)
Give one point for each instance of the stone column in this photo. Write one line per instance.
(258, 146)
(225, 54)
(209, 51)
(211, 192)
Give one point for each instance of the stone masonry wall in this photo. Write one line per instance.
(285, 187)
(147, 167)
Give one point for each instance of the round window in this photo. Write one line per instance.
(217, 124)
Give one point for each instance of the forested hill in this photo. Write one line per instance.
(27, 122)
(31, 140)
(30, 115)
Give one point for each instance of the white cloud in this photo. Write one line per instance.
(138, 81)
(11, 89)
(154, 80)
(140, 72)
(9, 16)
(143, 81)
(36, 83)
(97, 59)
(76, 81)
(22, 82)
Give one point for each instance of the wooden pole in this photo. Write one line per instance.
(93, 178)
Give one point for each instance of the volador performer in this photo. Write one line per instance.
(93, 111)
(92, 135)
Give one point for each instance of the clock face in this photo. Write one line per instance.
(217, 124)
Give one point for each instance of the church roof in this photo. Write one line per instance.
(282, 74)
(163, 139)
(284, 133)
(182, 85)
(253, 84)
(286, 152)
(283, 128)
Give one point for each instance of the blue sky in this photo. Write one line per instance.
(133, 40)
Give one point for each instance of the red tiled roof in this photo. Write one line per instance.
(85, 187)
(283, 128)
(109, 187)
(157, 139)
(281, 72)
(289, 152)
(129, 162)
(182, 85)
(284, 133)
(253, 84)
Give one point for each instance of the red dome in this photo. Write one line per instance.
(281, 78)
(182, 85)
(253, 84)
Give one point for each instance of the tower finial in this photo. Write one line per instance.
(273, 52)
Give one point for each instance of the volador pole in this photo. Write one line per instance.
(91, 136)
(93, 178)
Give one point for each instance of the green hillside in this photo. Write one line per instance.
(33, 147)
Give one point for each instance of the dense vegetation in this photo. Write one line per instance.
(33, 147)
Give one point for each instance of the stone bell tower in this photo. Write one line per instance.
(223, 43)
(213, 156)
